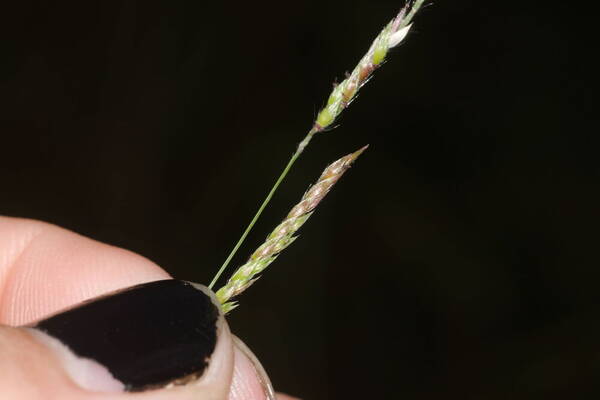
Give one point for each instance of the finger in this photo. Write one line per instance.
(166, 339)
(44, 268)
(36, 366)
(250, 381)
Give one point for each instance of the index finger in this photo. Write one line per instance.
(45, 268)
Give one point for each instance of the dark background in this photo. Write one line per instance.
(457, 259)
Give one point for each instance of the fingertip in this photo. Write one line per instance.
(165, 339)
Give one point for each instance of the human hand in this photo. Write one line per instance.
(45, 269)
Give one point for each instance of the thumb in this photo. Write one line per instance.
(29, 369)
(163, 340)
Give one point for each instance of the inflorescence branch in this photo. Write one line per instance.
(283, 235)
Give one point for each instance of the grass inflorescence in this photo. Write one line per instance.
(339, 99)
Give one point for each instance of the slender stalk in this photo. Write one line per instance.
(339, 99)
(255, 218)
(266, 201)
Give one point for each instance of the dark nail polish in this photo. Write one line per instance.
(147, 335)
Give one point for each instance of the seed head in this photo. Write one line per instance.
(283, 235)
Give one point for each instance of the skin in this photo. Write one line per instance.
(44, 269)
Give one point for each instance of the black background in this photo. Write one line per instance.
(457, 259)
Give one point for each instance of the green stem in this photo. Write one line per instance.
(287, 168)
